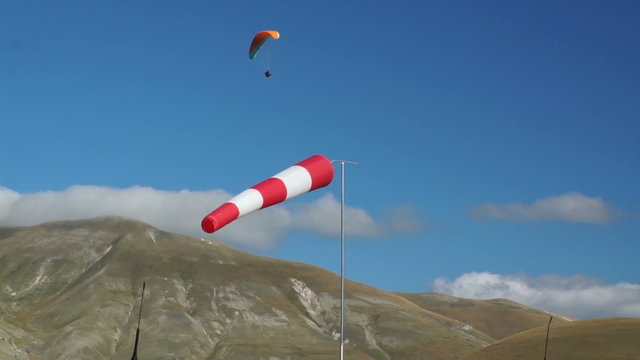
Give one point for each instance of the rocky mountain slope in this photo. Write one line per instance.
(70, 290)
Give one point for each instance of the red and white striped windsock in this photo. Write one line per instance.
(307, 175)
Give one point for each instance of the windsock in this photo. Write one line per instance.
(307, 175)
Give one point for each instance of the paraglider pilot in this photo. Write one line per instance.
(267, 73)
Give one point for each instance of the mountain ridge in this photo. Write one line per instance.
(71, 289)
(498, 318)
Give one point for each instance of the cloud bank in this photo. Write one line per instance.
(571, 207)
(182, 211)
(578, 296)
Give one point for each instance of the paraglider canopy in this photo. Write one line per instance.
(259, 39)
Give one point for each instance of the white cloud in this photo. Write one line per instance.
(7, 198)
(577, 296)
(182, 211)
(323, 216)
(570, 207)
(405, 219)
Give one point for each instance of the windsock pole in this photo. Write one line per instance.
(308, 175)
(342, 162)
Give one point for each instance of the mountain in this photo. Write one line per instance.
(71, 290)
(498, 318)
(597, 339)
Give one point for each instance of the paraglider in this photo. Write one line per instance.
(258, 40)
(307, 175)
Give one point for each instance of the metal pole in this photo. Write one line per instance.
(342, 162)
(546, 342)
(135, 346)
(342, 260)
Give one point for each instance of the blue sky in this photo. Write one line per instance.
(498, 142)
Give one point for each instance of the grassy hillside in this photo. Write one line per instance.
(71, 290)
(599, 339)
(498, 318)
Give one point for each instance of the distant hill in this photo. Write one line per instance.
(70, 290)
(498, 318)
(599, 339)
